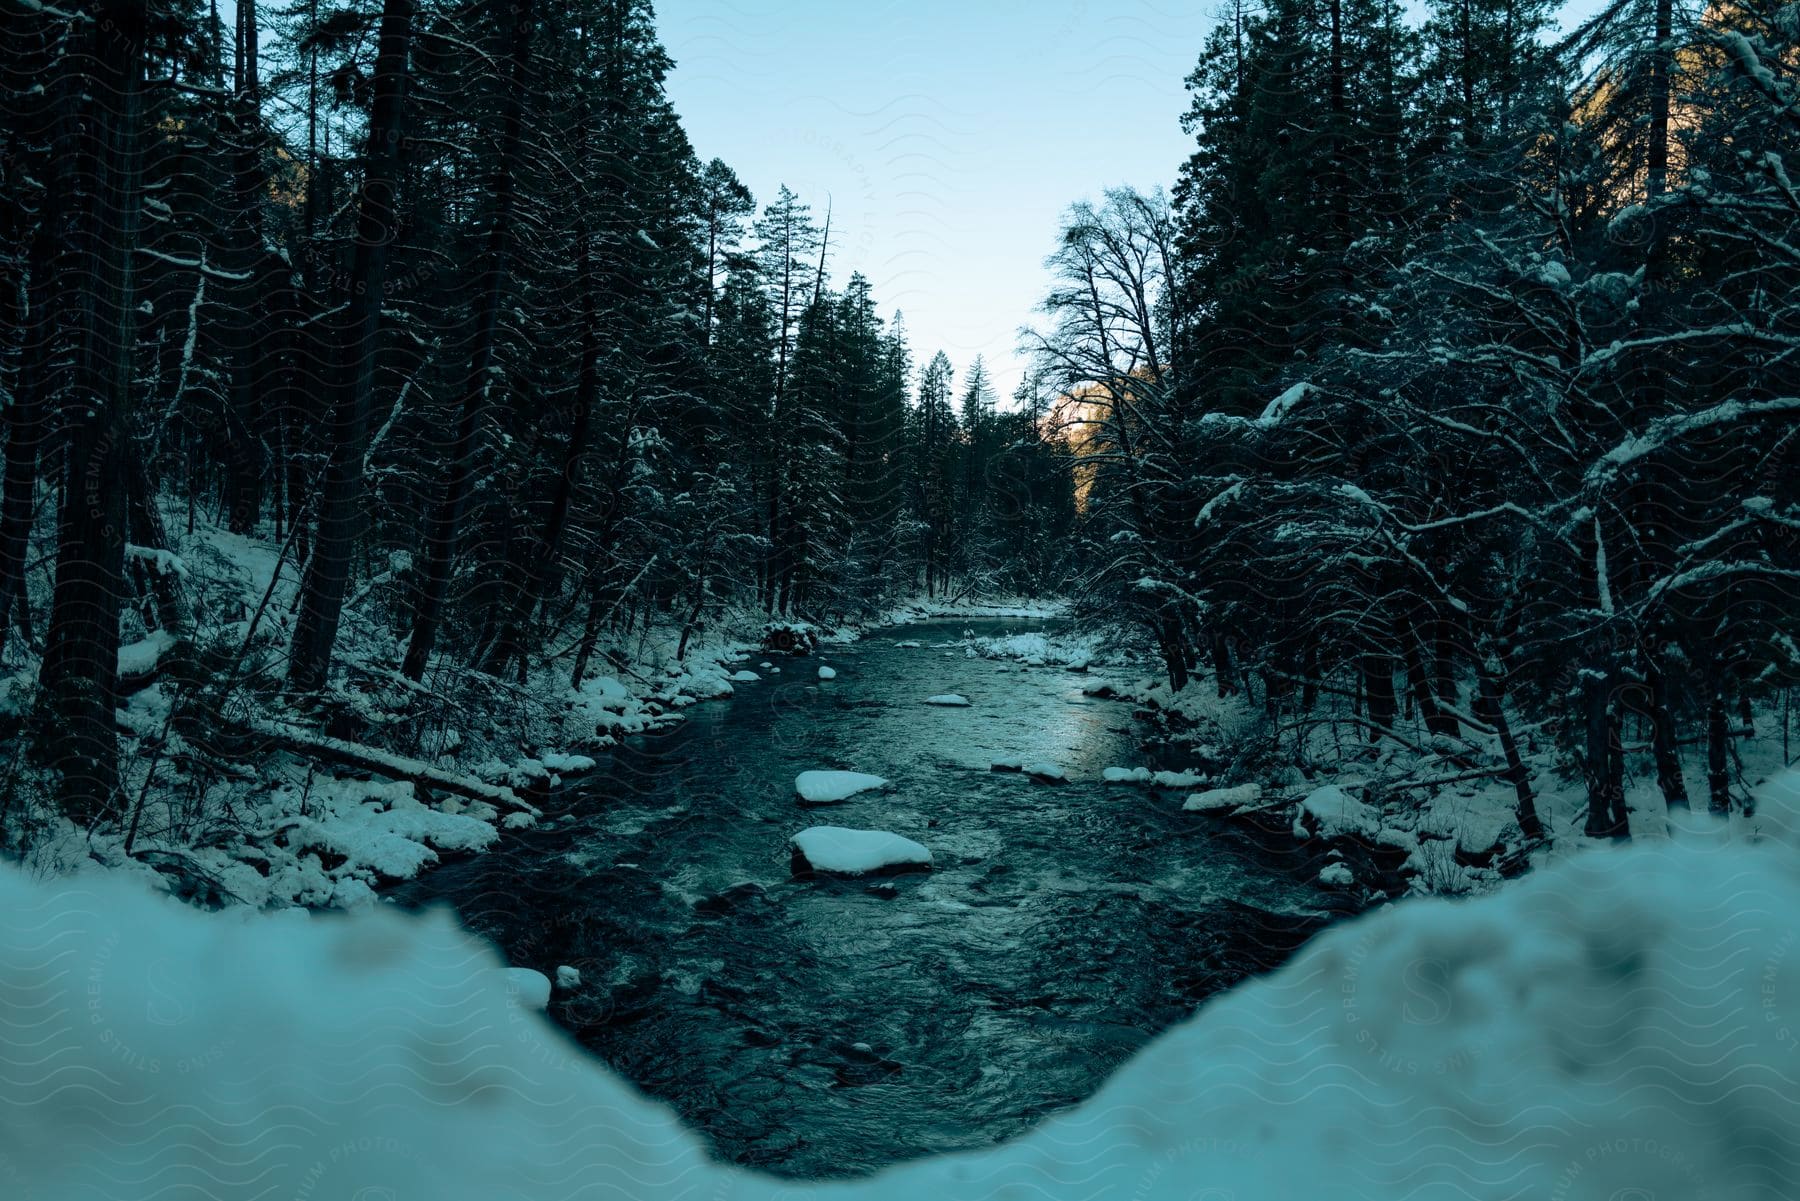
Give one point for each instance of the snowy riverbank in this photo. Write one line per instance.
(1622, 1024)
(1411, 813)
(242, 794)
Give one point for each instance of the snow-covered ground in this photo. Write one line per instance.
(1440, 805)
(270, 812)
(1622, 1025)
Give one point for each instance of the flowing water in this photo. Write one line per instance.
(824, 1027)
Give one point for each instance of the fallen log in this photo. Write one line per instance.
(336, 751)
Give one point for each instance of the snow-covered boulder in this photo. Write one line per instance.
(529, 989)
(827, 673)
(830, 787)
(1007, 763)
(746, 676)
(568, 977)
(839, 851)
(1215, 800)
(950, 700)
(1046, 773)
(1336, 875)
(790, 637)
(1332, 812)
(1157, 779)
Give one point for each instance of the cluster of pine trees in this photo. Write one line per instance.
(1458, 375)
(434, 297)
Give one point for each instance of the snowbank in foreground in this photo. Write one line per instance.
(1622, 1025)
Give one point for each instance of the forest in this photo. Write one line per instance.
(430, 315)
(1452, 377)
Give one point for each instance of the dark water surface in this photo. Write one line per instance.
(821, 1028)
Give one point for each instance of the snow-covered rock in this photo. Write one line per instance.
(1158, 779)
(1007, 763)
(1336, 875)
(952, 700)
(1216, 799)
(1046, 773)
(827, 673)
(846, 852)
(1333, 812)
(830, 787)
(528, 988)
(568, 977)
(746, 676)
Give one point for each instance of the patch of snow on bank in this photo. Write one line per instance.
(380, 828)
(1158, 779)
(1216, 799)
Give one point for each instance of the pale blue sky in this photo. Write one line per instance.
(948, 135)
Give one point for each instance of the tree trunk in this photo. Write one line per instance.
(1418, 682)
(1175, 661)
(1618, 819)
(543, 552)
(1663, 739)
(340, 521)
(1222, 666)
(24, 425)
(1530, 825)
(441, 536)
(1718, 781)
(590, 634)
(1378, 682)
(243, 348)
(1443, 676)
(1604, 762)
(81, 659)
(1656, 154)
